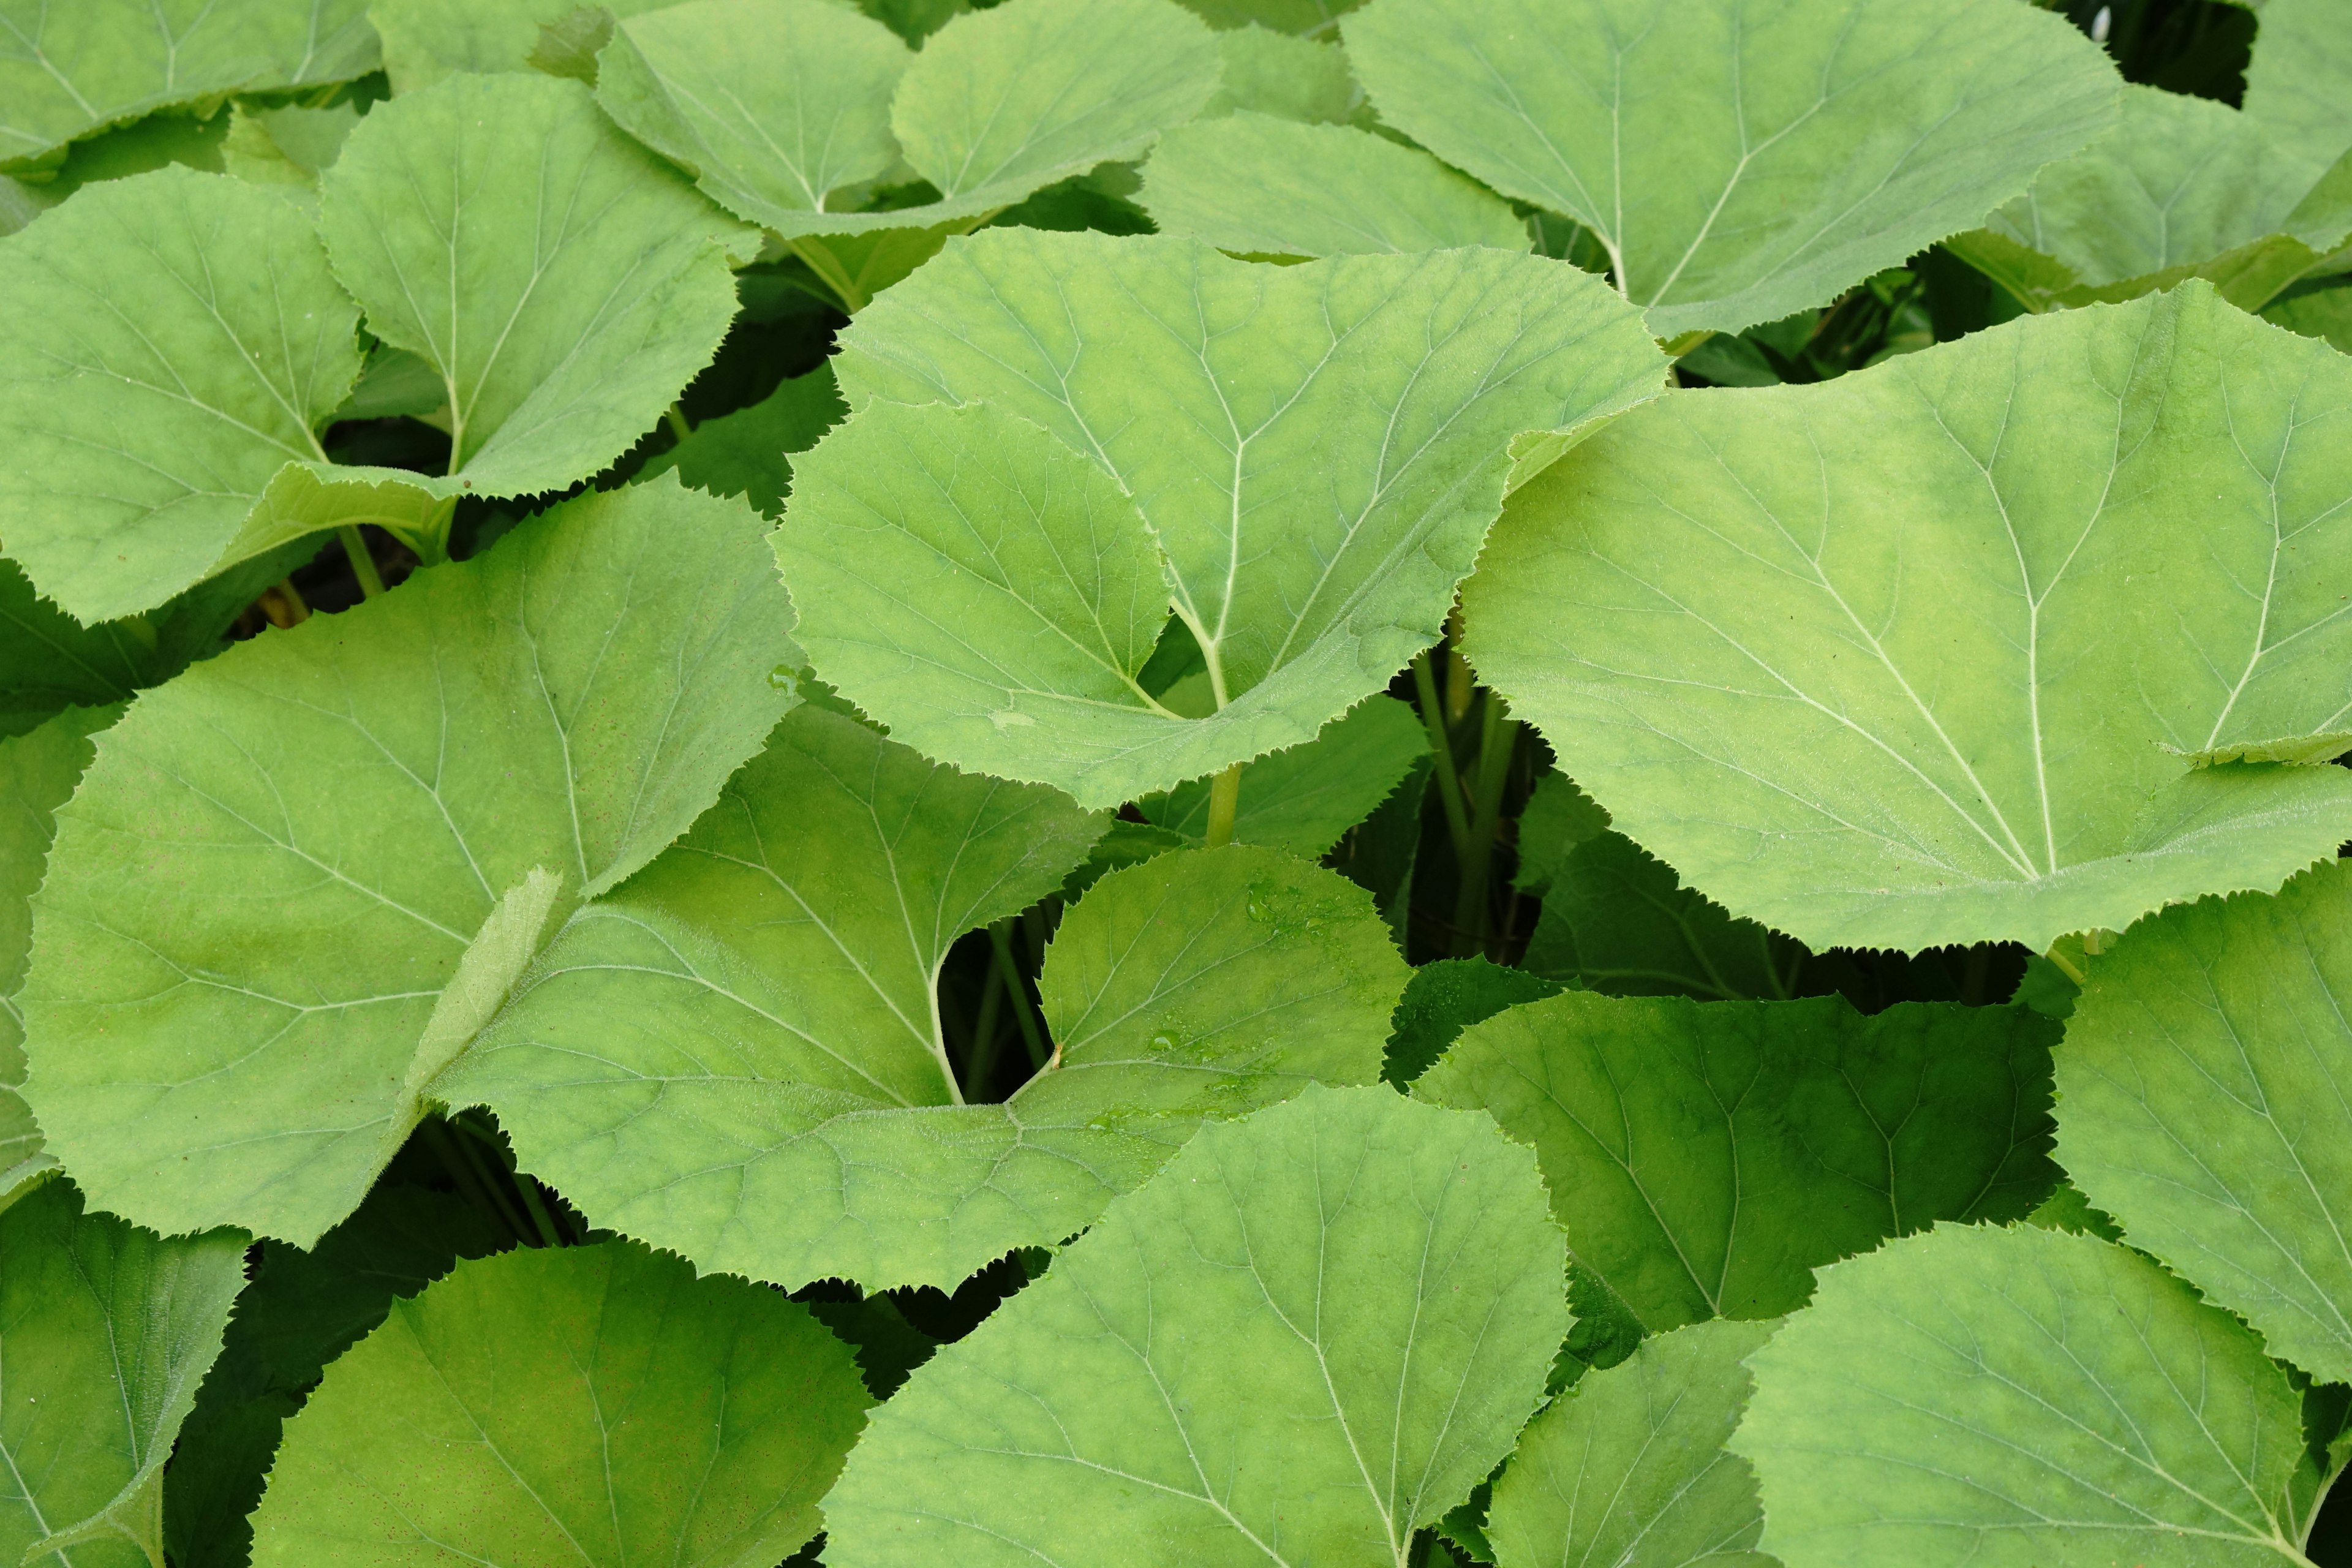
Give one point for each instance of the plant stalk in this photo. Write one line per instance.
(1499, 736)
(363, 563)
(1449, 782)
(1000, 937)
(981, 1059)
(1225, 804)
(466, 1174)
(680, 426)
(820, 260)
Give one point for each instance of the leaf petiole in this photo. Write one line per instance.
(1225, 804)
(1000, 937)
(363, 562)
(1449, 782)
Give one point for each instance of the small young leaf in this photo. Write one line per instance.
(105, 1332)
(1447, 998)
(318, 824)
(596, 281)
(1251, 184)
(1739, 164)
(1303, 798)
(588, 1406)
(1308, 1337)
(1706, 1158)
(1315, 450)
(748, 453)
(1629, 1468)
(2007, 1399)
(1719, 612)
(2206, 1088)
(1556, 818)
(1274, 73)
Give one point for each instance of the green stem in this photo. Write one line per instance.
(981, 1059)
(1459, 681)
(363, 564)
(1000, 937)
(1449, 782)
(2064, 968)
(483, 1143)
(820, 260)
(1499, 736)
(537, 1207)
(676, 419)
(1225, 804)
(466, 1174)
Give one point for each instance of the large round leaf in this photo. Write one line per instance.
(2207, 1092)
(1304, 459)
(1992, 641)
(739, 1054)
(1312, 1334)
(2016, 1398)
(299, 876)
(2297, 81)
(1739, 159)
(575, 1408)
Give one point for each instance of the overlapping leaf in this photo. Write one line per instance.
(2207, 1087)
(1936, 652)
(1739, 161)
(69, 69)
(748, 453)
(1304, 459)
(425, 41)
(1252, 183)
(1629, 1468)
(784, 108)
(2007, 1399)
(1276, 73)
(105, 1332)
(299, 876)
(740, 1056)
(2297, 81)
(591, 1405)
(1311, 1335)
(1616, 920)
(1303, 799)
(1705, 1159)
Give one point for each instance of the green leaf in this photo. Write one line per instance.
(177, 338)
(596, 281)
(1447, 998)
(1316, 18)
(2007, 1399)
(1253, 184)
(748, 452)
(1556, 818)
(594, 1405)
(1738, 164)
(2184, 187)
(2207, 1081)
(425, 41)
(781, 107)
(1310, 1336)
(2297, 81)
(1616, 920)
(1896, 660)
(1303, 799)
(1630, 1469)
(1275, 73)
(68, 71)
(2324, 313)
(739, 1054)
(1706, 1158)
(38, 772)
(319, 824)
(1304, 459)
(105, 1332)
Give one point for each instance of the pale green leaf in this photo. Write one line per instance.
(1312, 1334)
(748, 452)
(176, 337)
(1628, 1470)
(2299, 83)
(428, 40)
(569, 1408)
(281, 860)
(1253, 184)
(69, 69)
(738, 1057)
(105, 1332)
(1314, 18)
(1274, 73)
(1303, 799)
(1616, 919)
(1740, 160)
(1706, 1157)
(1920, 656)
(2016, 1398)
(596, 282)
(2207, 1081)
(1314, 451)
(288, 145)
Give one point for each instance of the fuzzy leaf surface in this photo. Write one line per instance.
(1739, 161)
(1924, 654)
(1706, 1157)
(1312, 1333)
(1304, 459)
(2207, 1080)
(280, 861)
(1628, 1470)
(569, 1408)
(738, 1056)
(1260, 186)
(2007, 1399)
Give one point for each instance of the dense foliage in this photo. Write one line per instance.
(1120, 782)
